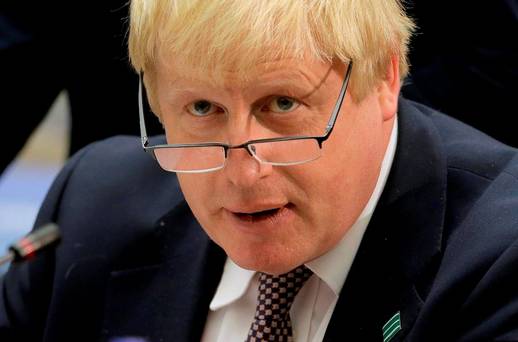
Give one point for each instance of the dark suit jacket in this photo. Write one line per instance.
(441, 248)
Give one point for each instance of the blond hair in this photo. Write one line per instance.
(215, 36)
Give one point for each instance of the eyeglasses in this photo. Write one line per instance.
(211, 156)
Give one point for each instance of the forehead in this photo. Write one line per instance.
(175, 73)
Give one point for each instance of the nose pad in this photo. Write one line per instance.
(241, 156)
(243, 170)
(252, 150)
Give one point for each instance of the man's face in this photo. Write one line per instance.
(274, 218)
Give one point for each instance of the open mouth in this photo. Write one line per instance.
(259, 216)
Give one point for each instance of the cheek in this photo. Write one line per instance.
(197, 190)
(347, 173)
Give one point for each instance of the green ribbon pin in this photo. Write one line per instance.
(391, 328)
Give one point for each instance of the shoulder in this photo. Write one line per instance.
(475, 281)
(107, 201)
(111, 171)
(467, 151)
(481, 172)
(109, 195)
(115, 168)
(112, 163)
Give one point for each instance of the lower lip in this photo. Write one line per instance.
(260, 224)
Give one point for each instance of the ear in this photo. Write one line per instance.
(388, 89)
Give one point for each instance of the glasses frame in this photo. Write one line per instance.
(247, 145)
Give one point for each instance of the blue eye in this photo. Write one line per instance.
(202, 108)
(283, 104)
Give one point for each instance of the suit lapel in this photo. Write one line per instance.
(401, 248)
(167, 301)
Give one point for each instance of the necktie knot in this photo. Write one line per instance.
(276, 295)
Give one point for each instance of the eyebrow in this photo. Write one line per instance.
(310, 89)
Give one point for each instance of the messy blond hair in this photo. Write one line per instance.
(215, 36)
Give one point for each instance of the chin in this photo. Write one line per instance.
(271, 259)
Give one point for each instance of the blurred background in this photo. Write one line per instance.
(24, 183)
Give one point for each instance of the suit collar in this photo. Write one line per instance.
(414, 202)
(400, 249)
(167, 300)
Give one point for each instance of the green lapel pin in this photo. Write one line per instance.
(391, 328)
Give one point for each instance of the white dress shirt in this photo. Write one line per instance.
(233, 307)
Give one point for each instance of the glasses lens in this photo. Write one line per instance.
(190, 159)
(287, 152)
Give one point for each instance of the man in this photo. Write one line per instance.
(310, 202)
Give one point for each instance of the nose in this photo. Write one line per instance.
(243, 170)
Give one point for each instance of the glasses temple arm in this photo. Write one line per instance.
(338, 104)
(143, 132)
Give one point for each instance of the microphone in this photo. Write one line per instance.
(28, 246)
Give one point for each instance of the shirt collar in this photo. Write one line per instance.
(232, 286)
(332, 267)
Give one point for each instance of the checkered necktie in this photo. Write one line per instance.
(276, 294)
